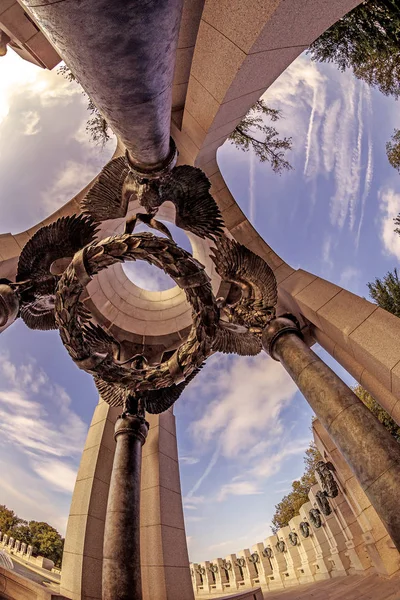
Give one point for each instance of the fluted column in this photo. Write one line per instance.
(121, 554)
(369, 449)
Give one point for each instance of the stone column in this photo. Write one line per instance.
(290, 574)
(123, 54)
(165, 562)
(369, 449)
(307, 549)
(249, 570)
(375, 540)
(304, 570)
(278, 563)
(339, 560)
(121, 554)
(235, 576)
(264, 565)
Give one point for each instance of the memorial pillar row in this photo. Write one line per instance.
(370, 450)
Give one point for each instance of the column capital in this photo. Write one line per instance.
(276, 328)
(132, 425)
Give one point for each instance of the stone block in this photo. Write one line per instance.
(342, 314)
(201, 104)
(253, 75)
(385, 398)
(84, 535)
(193, 129)
(314, 296)
(183, 64)
(375, 344)
(297, 281)
(101, 433)
(160, 440)
(178, 583)
(16, 24)
(216, 61)
(91, 577)
(97, 462)
(161, 506)
(225, 16)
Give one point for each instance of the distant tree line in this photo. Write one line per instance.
(44, 539)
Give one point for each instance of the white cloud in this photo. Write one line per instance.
(48, 436)
(43, 114)
(238, 488)
(73, 177)
(337, 133)
(188, 460)
(249, 395)
(389, 204)
(30, 120)
(350, 278)
(148, 277)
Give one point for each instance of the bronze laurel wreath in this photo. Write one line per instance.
(176, 262)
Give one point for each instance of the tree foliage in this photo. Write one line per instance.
(393, 154)
(290, 504)
(386, 292)
(378, 411)
(271, 148)
(8, 520)
(96, 126)
(367, 40)
(44, 539)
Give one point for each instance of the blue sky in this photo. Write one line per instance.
(242, 427)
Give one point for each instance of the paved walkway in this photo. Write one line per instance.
(355, 587)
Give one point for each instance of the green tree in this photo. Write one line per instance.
(271, 148)
(46, 541)
(290, 504)
(23, 533)
(386, 292)
(366, 40)
(8, 520)
(393, 154)
(378, 411)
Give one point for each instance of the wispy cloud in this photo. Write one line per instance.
(249, 396)
(41, 438)
(389, 204)
(188, 460)
(333, 119)
(238, 488)
(205, 474)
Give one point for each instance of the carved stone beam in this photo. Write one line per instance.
(369, 449)
(123, 54)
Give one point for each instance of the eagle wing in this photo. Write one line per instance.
(230, 342)
(196, 210)
(105, 199)
(60, 239)
(236, 263)
(99, 339)
(113, 394)
(158, 401)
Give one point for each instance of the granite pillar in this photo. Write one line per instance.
(370, 450)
